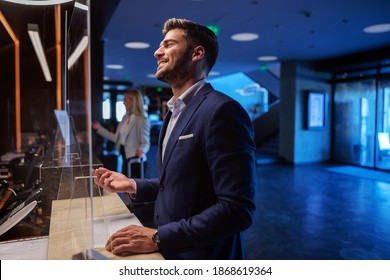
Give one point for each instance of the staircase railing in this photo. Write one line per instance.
(267, 124)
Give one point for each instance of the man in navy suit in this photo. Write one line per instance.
(205, 190)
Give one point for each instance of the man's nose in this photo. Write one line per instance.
(158, 53)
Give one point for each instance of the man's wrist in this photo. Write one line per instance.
(133, 189)
(156, 239)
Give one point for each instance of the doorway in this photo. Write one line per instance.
(362, 122)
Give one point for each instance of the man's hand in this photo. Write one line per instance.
(113, 181)
(132, 239)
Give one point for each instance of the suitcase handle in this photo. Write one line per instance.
(135, 159)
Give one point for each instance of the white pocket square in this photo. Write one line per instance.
(182, 137)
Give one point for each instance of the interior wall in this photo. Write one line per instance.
(38, 97)
(298, 144)
(7, 99)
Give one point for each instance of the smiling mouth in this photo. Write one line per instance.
(162, 62)
(160, 65)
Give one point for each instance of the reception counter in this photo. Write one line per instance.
(70, 232)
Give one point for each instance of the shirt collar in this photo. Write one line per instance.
(185, 98)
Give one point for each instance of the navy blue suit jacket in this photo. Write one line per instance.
(205, 190)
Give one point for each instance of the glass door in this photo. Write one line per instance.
(355, 114)
(382, 159)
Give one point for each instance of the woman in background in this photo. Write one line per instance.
(132, 137)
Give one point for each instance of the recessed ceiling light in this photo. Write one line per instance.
(137, 45)
(214, 73)
(152, 76)
(114, 66)
(377, 28)
(243, 37)
(39, 3)
(267, 58)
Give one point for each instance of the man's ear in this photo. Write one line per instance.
(198, 53)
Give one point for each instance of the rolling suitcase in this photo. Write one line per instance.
(135, 161)
(143, 210)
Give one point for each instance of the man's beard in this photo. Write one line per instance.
(176, 72)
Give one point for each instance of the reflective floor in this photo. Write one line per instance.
(309, 212)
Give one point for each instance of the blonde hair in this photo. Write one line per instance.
(138, 102)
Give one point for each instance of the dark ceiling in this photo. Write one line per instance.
(299, 29)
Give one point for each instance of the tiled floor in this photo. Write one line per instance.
(308, 212)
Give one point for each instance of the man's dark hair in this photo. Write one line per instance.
(196, 35)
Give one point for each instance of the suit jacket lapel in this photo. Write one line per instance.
(161, 136)
(182, 122)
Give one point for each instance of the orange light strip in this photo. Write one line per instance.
(18, 130)
(57, 17)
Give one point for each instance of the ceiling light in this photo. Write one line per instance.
(78, 51)
(267, 58)
(137, 45)
(81, 6)
(152, 76)
(377, 28)
(243, 37)
(114, 66)
(37, 44)
(39, 2)
(214, 73)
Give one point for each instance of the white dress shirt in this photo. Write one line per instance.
(177, 106)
